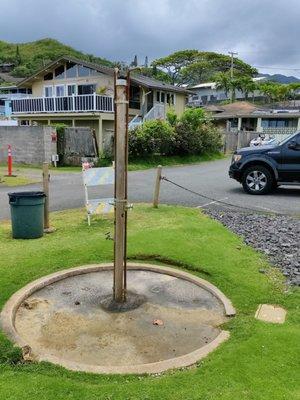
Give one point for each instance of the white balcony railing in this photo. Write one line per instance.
(76, 104)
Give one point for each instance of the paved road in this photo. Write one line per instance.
(210, 178)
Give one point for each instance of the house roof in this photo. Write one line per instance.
(142, 80)
(6, 77)
(211, 85)
(248, 110)
(155, 84)
(101, 68)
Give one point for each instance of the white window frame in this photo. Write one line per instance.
(47, 87)
(56, 86)
(67, 89)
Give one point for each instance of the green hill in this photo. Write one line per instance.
(31, 56)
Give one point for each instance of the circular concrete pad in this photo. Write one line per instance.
(174, 318)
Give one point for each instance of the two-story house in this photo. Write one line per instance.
(79, 93)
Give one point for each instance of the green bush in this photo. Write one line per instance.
(153, 137)
(192, 134)
(172, 117)
(195, 134)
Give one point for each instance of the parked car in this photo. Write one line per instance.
(261, 169)
(263, 140)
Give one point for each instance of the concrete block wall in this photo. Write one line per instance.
(30, 144)
(285, 131)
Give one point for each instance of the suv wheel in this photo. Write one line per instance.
(257, 180)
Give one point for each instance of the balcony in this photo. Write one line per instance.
(66, 104)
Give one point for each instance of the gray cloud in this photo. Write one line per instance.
(264, 32)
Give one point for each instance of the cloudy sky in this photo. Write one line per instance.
(265, 33)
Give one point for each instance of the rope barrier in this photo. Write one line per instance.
(164, 178)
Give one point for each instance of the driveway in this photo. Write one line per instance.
(209, 178)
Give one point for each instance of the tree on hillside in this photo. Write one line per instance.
(18, 58)
(193, 66)
(155, 73)
(134, 63)
(197, 72)
(174, 63)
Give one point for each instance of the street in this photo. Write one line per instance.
(208, 178)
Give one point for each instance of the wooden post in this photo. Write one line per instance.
(120, 189)
(239, 139)
(46, 191)
(157, 187)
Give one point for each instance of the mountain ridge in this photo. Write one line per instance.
(280, 78)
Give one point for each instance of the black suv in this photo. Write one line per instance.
(261, 169)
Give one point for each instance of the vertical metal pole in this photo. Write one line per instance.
(9, 161)
(120, 188)
(157, 187)
(46, 191)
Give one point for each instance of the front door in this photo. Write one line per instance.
(149, 101)
(290, 165)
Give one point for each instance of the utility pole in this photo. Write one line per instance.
(232, 54)
(121, 206)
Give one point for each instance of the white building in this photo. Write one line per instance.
(207, 93)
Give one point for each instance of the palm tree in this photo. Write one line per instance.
(223, 82)
(294, 90)
(246, 85)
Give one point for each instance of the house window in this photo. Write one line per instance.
(134, 98)
(83, 71)
(93, 72)
(71, 70)
(59, 72)
(72, 90)
(162, 97)
(48, 77)
(48, 91)
(86, 89)
(279, 123)
(158, 97)
(59, 90)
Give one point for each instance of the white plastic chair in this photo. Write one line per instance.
(97, 177)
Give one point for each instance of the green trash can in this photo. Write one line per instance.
(27, 214)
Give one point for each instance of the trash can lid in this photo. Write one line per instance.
(26, 194)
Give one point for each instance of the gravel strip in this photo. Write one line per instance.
(276, 236)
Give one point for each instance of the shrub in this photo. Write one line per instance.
(172, 117)
(195, 134)
(193, 117)
(152, 137)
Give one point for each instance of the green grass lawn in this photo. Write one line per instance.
(260, 361)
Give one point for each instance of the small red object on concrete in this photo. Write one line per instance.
(158, 322)
(86, 165)
(9, 160)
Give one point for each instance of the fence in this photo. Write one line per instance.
(74, 144)
(239, 139)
